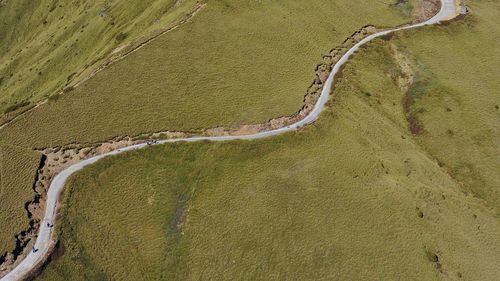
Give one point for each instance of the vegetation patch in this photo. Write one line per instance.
(455, 94)
(16, 106)
(300, 204)
(49, 39)
(18, 168)
(166, 85)
(121, 36)
(406, 7)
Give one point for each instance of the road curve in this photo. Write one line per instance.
(44, 240)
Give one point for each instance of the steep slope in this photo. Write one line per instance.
(50, 42)
(74, 98)
(17, 173)
(456, 97)
(236, 62)
(303, 205)
(353, 197)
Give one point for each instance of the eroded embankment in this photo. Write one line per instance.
(57, 159)
(24, 237)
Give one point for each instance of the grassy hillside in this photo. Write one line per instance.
(51, 41)
(352, 197)
(355, 196)
(17, 172)
(54, 42)
(237, 62)
(457, 98)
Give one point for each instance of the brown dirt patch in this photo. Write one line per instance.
(427, 9)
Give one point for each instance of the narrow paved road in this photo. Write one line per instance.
(44, 240)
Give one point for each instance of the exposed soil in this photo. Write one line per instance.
(23, 238)
(415, 125)
(407, 76)
(405, 80)
(428, 8)
(57, 159)
(312, 94)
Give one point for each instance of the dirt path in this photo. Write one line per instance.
(45, 242)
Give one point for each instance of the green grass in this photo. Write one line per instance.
(51, 41)
(352, 197)
(54, 42)
(237, 62)
(458, 96)
(407, 8)
(17, 173)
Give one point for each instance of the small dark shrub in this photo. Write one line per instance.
(16, 106)
(71, 76)
(68, 89)
(432, 256)
(420, 214)
(121, 36)
(54, 98)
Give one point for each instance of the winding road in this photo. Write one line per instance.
(44, 242)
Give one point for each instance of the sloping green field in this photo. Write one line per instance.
(221, 78)
(237, 62)
(459, 97)
(353, 197)
(47, 43)
(17, 173)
